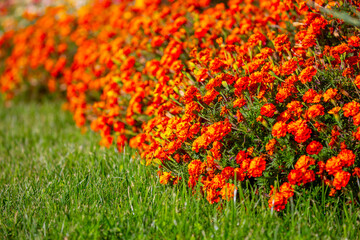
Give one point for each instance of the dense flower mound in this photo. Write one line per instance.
(261, 92)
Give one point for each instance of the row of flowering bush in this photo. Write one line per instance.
(264, 92)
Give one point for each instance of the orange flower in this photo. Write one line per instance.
(336, 51)
(304, 162)
(228, 172)
(356, 119)
(257, 166)
(201, 75)
(308, 176)
(119, 127)
(241, 156)
(284, 93)
(357, 81)
(224, 111)
(191, 93)
(106, 141)
(212, 195)
(301, 176)
(268, 110)
(227, 191)
(270, 146)
(308, 41)
(332, 192)
(281, 42)
(214, 132)
(295, 177)
(239, 174)
(341, 179)
(330, 94)
(307, 74)
(314, 111)
(300, 130)
(347, 157)
(240, 102)
(196, 168)
(157, 41)
(295, 107)
(289, 67)
(255, 39)
(165, 177)
(311, 96)
(357, 134)
(314, 148)
(333, 165)
(354, 41)
(334, 110)
(351, 109)
(241, 84)
(279, 129)
(356, 172)
(215, 150)
(278, 200)
(287, 190)
(218, 181)
(217, 65)
(210, 96)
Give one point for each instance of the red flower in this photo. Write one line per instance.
(351, 109)
(228, 172)
(307, 74)
(304, 162)
(279, 129)
(257, 166)
(314, 148)
(314, 111)
(282, 42)
(196, 167)
(295, 177)
(341, 179)
(347, 157)
(268, 110)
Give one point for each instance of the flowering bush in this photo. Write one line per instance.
(264, 92)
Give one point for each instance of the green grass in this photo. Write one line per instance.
(56, 183)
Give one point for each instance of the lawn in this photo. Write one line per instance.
(57, 183)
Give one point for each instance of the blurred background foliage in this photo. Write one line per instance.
(16, 13)
(12, 12)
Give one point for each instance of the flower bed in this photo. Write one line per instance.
(258, 92)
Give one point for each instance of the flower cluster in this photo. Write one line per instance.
(261, 92)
